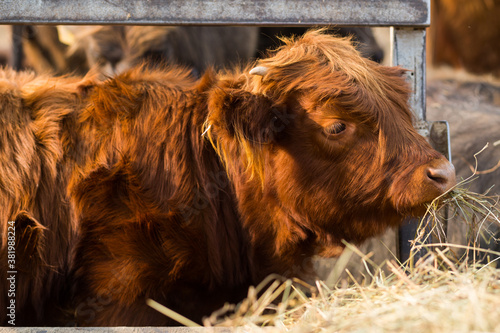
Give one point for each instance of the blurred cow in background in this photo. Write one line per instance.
(115, 48)
(112, 49)
(466, 34)
(43, 50)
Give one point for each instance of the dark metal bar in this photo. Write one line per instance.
(406, 234)
(16, 61)
(415, 13)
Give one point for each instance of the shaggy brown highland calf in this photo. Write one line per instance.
(188, 192)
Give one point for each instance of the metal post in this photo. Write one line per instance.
(16, 61)
(408, 51)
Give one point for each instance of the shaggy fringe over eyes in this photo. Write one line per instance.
(253, 154)
(241, 122)
(326, 65)
(320, 51)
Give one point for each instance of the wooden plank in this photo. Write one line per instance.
(414, 13)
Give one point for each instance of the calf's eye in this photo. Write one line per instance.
(335, 128)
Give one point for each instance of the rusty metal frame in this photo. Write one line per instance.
(407, 18)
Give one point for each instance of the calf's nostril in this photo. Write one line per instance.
(444, 176)
(437, 175)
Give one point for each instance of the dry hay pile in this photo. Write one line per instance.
(442, 288)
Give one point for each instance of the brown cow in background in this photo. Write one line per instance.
(189, 191)
(466, 34)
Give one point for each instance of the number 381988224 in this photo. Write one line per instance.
(11, 242)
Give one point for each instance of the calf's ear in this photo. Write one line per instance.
(254, 118)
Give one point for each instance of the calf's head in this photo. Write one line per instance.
(329, 135)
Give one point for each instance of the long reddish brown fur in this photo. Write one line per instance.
(36, 116)
(187, 192)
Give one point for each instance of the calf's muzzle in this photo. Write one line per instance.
(440, 174)
(431, 180)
